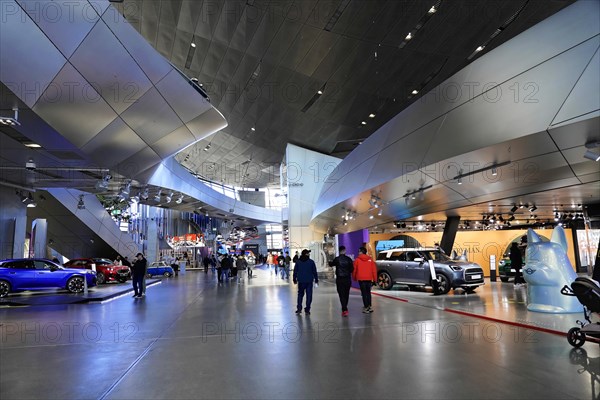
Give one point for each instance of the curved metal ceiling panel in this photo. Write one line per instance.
(585, 96)
(66, 23)
(113, 72)
(73, 108)
(114, 144)
(22, 46)
(152, 63)
(182, 96)
(151, 117)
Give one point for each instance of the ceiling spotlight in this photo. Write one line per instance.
(169, 197)
(415, 91)
(193, 44)
(494, 171)
(180, 199)
(479, 48)
(591, 155)
(319, 92)
(459, 180)
(32, 145)
(253, 129)
(363, 122)
(207, 147)
(102, 185)
(512, 218)
(124, 192)
(371, 115)
(514, 208)
(380, 212)
(532, 208)
(11, 121)
(432, 10)
(144, 194)
(157, 196)
(409, 36)
(371, 217)
(556, 216)
(80, 203)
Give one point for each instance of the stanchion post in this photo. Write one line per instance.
(493, 268)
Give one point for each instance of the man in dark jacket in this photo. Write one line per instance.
(516, 262)
(138, 270)
(305, 272)
(343, 278)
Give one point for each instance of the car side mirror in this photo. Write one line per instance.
(418, 259)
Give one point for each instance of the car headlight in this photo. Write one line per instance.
(456, 268)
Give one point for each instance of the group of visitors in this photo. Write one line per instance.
(362, 270)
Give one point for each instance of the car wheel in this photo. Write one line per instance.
(504, 278)
(168, 274)
(122, 280)
(444, 284)
(384, 281)
(100, 278)
(75, 284)
(575, 337)
(4, 288)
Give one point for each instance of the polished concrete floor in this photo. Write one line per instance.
(192, 338)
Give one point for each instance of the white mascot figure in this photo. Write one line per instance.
(547, 270)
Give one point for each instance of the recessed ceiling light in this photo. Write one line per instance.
(432, 10)
(33, 145)
(253, 129)
(363, 122)
(409, 36)
(193, 44)
(319, 92)
(371, 115)
(479, 48)
(415, 91)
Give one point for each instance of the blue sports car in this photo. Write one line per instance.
(38, 273)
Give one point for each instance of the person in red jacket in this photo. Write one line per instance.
(365, 273)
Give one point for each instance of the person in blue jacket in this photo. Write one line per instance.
(305, 273)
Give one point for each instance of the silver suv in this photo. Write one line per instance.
(410, 267)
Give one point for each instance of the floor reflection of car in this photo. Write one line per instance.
(411, 267)
(37, 274)
(106, 270)
(160, 268)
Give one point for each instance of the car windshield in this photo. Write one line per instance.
(437, 256)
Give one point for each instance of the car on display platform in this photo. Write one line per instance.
(410, 267)
(106, 270)
(37, 274)
(159, 268)
(505, 271)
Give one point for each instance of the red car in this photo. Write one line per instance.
(106, 270)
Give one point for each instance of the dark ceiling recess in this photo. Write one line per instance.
(498, 31)
(420, 24)
(345, 146)
(336, 15)
(314, 98)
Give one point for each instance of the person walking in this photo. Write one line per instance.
(205, 262)
(305, 273)
(365, 273)
(139, 272)
(226, 265)
(343, 278)
(516, 262)
(286, 266)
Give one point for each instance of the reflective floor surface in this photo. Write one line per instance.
(191, 338)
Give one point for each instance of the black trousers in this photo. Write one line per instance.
(343, 289)
(138, 284)
(518, 275)
(365, 291)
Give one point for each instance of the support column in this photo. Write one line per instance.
(152, 236)
(39, 238)
(449, 234)
(13, 224)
